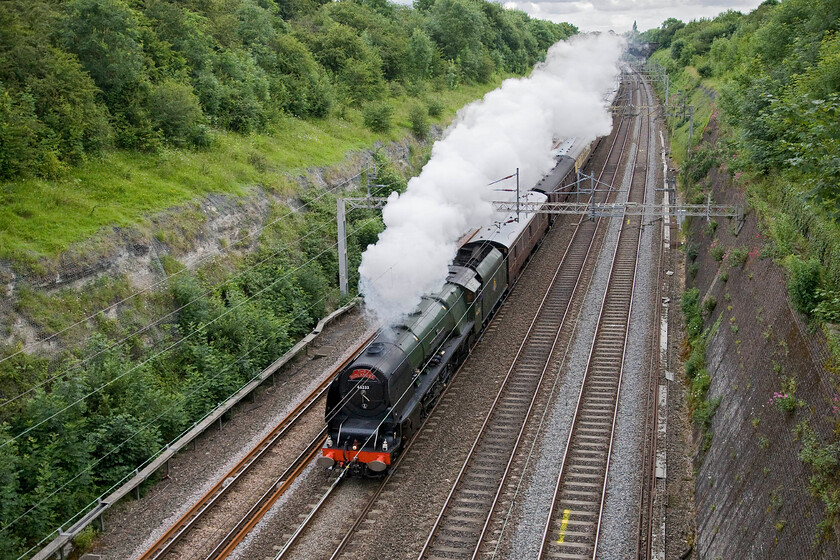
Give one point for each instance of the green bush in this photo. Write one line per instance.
(717, 252)
(705, 411)
(435, 108)
(699, 164)
(696, 360)
(828, 308)
(699, 386)
(711, 227)
(691, 250)
(823, 459)
(419, 123)
(692, 270)
(803, 283)
(122, 442)
(175, 110)
(377, 116)
(738, 257)
(690, 305)
(84, 540)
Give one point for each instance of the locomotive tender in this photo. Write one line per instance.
(379, 400)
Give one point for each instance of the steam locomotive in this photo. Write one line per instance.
(379, 400)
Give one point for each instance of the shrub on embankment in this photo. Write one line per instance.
(117, 387)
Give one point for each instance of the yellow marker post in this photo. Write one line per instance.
(563, 526)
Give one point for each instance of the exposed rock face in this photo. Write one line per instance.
(217, 225)
(752, 493)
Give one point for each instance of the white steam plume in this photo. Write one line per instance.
(513, 126)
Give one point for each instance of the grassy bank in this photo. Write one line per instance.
(42, 218)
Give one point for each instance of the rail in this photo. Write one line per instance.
(454, 533)
(103, 504)
(577, 507)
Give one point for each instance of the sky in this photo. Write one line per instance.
(618, 15)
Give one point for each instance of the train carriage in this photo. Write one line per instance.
(516, 237)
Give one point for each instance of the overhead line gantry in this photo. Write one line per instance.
(590, 209)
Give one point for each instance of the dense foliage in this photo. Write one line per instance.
(777, 71)
(779, 75)
(78, 76)
(81, 76)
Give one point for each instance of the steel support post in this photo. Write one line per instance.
(342, 246)
(517, 195)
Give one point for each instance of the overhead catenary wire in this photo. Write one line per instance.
(78, 364)
(486, 242)
(151, 422)
(405, 393)
(170, 347)
(146, 426)
(116, 448)
(173, 275)
(143, 428)
(344, 400)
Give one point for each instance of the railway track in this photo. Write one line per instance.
(293, 544)
(650, 432)
(363, 530)
(574, 521)
(308, 529)
(462, 525)
(221, 518)
(496, 541)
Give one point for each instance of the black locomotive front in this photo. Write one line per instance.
(364, 405)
